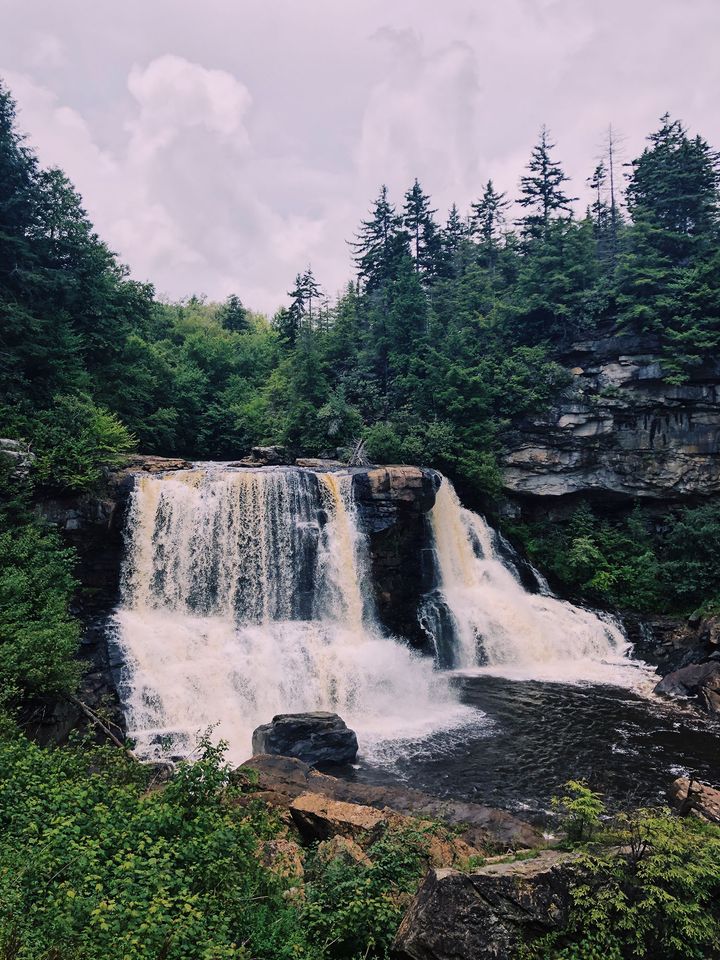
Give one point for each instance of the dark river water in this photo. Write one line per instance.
(536, 735)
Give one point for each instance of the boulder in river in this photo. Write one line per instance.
(701, 680)
(489, 913)
(316, 738)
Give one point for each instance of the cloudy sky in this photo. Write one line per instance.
(224, 145)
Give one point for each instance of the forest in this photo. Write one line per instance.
(447, 333)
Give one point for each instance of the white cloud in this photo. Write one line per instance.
(226, 149)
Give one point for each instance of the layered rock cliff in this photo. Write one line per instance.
(620, 429)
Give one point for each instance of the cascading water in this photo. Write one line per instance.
(243, 597)
(496, 625)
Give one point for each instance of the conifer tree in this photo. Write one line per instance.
(675, 185)
(380, 244)
(488, 216)
(233, 315)
(425, 241)
(541, 191)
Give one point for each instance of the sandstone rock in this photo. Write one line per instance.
(317, 463)
(315, 738)
(488, 913)
(281, 779)
(690, 796)
(149, 464)
(342, 848)
(701, 680)
(283, 857)
(318, 818)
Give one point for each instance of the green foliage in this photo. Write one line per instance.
(651, 891)
(74, 440)
(638, 563)
(353, 910)
(94, 867)
(581, 809)
(38, 637)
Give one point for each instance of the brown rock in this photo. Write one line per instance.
(283, 857)
(691, 797)
(342, 848)
(318, 818)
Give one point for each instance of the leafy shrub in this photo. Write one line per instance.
(74, 440)
(651, 891)
(38, 637)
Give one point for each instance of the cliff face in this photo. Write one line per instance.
(620, 429)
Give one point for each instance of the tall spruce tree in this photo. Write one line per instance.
(380, 244)
(675, 186)
(541, 193)
(233, 315)
(425, 240)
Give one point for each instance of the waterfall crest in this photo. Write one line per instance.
(243, 596)
(495, 624)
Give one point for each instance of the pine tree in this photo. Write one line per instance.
(488, 216)
(675, 186)
(541, 191)
(425, 240)
(233, 315)
(380, 244)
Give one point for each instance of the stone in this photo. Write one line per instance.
(149, 464)
(280, 780)
(701, 680)
(618, 427)
(344, 849)
(274, 456)
(318, 463)
(318, 818)
(691, 797)
(489, 913)
(316, 738)
(283, 857)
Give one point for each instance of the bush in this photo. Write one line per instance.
(38, 637)
(74, 440)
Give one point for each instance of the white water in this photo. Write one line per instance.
(240, 603)
(502, 629)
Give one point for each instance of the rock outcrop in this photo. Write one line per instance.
(488, 914)
(393, 503)
(319, 738)
(620, 428)
(699, 680)
(699, 799)
(281, 780)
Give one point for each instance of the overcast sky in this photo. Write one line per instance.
(224, 145)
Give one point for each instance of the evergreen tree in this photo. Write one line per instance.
(380, 244)
(488, 217)
(425, 240)
(541, 191)
(233, 315)
(675, 186)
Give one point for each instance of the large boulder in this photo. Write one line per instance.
(690, 797)
(317, 738)
(488, 914)
(701, 680)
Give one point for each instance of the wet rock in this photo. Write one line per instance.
(275, 456)
(318, 463)
(700, 680)
(150, 464)
(489, 913)
(316, 738)
(281, 779)
(691, 797)
(393, 503)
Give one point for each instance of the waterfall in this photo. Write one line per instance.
(496, 625)
(243, 596)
